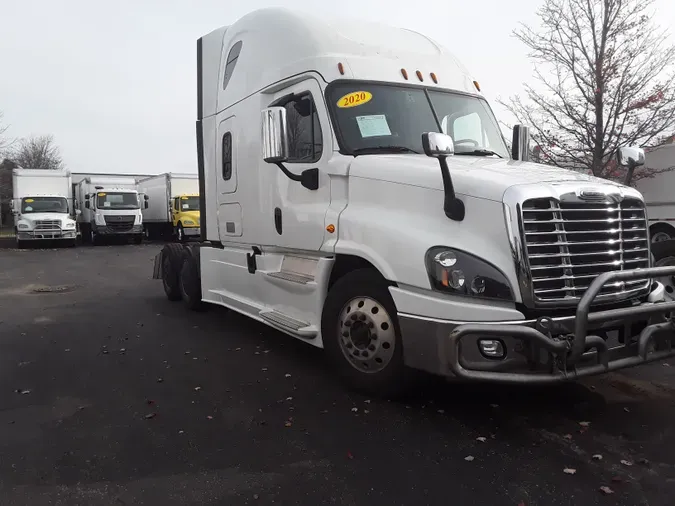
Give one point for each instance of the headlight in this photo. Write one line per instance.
(23, 226)
(188, 222)
(460, 273)
(69, 225)
(99, 219)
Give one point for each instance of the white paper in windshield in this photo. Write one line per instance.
(373, 126)
(106, 204)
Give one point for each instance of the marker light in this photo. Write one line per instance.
(419, 75)
(475, 83)
(404, 73)
(433, 78)
(341, 68)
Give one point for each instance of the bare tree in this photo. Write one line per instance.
(605, 78)
(5, 142)
(38, 152)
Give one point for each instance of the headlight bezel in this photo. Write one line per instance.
(476, 273)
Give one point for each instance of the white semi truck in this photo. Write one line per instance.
(111, 207)
(173, 208)
(357, 194)
(42, 207)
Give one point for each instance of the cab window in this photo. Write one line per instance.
(305, 141)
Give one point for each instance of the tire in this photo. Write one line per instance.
(138, 239)
(172, 257)
(20, 244)
(362, 297)
(180, 233)
(190, 280)
(93, 238)
(661, 232)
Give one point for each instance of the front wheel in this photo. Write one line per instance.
(361, 334)
(138, 239)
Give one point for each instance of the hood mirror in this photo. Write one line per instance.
(520, 144)
(438, 145)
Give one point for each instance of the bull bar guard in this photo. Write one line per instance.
(567, 350)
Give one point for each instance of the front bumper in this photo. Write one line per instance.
(106, 230)
(547, 350)
(39, 235)
(191, 231)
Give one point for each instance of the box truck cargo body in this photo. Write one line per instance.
(173, 205)
(42, 206)
(111, 207)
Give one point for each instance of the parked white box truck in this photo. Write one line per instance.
(111, 207)
(659, 192)
(173, 208)
(357, 194)
(42, 206)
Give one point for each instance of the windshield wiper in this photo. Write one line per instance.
(383, 149)
(478, 152)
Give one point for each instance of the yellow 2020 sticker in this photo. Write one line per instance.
(354, 99)
(183, 198)
(101, 194)
(30, 200)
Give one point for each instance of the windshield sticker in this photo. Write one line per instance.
(186, 206)
(354, 99)
(101, 194)
(30, 200)
(183, 198)
(373, 126)
(28, 209)
(106, 203)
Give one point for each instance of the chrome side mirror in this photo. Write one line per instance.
(520, 145)
(436, 144)
(274, 135)
(630, 157)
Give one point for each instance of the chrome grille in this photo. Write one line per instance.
(569, 244)
(47, 225)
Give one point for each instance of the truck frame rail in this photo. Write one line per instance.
(572, 354)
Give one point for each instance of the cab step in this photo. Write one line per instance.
(288, 323)
(294, 277)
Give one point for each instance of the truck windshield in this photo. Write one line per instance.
(44, 205)
(376, 118)
(116, 200)
(188, 203)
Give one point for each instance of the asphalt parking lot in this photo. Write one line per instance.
(113, 395)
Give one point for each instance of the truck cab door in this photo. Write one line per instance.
(174, 211)
(298, 214)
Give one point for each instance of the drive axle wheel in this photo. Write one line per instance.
(361, 334)
(190, 280)
(172, 259)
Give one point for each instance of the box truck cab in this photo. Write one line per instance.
(357, 194)
(173, 208)
(42, 206)
(111, 207)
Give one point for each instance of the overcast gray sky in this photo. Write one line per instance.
(114, 82)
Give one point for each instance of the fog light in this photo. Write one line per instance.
(491, 348)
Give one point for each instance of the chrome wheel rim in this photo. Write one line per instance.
(366, 334)
(660, 237)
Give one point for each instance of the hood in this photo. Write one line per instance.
(190, 215)
(474, 176)
(46, 216)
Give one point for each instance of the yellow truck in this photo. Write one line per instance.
(173, 209)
